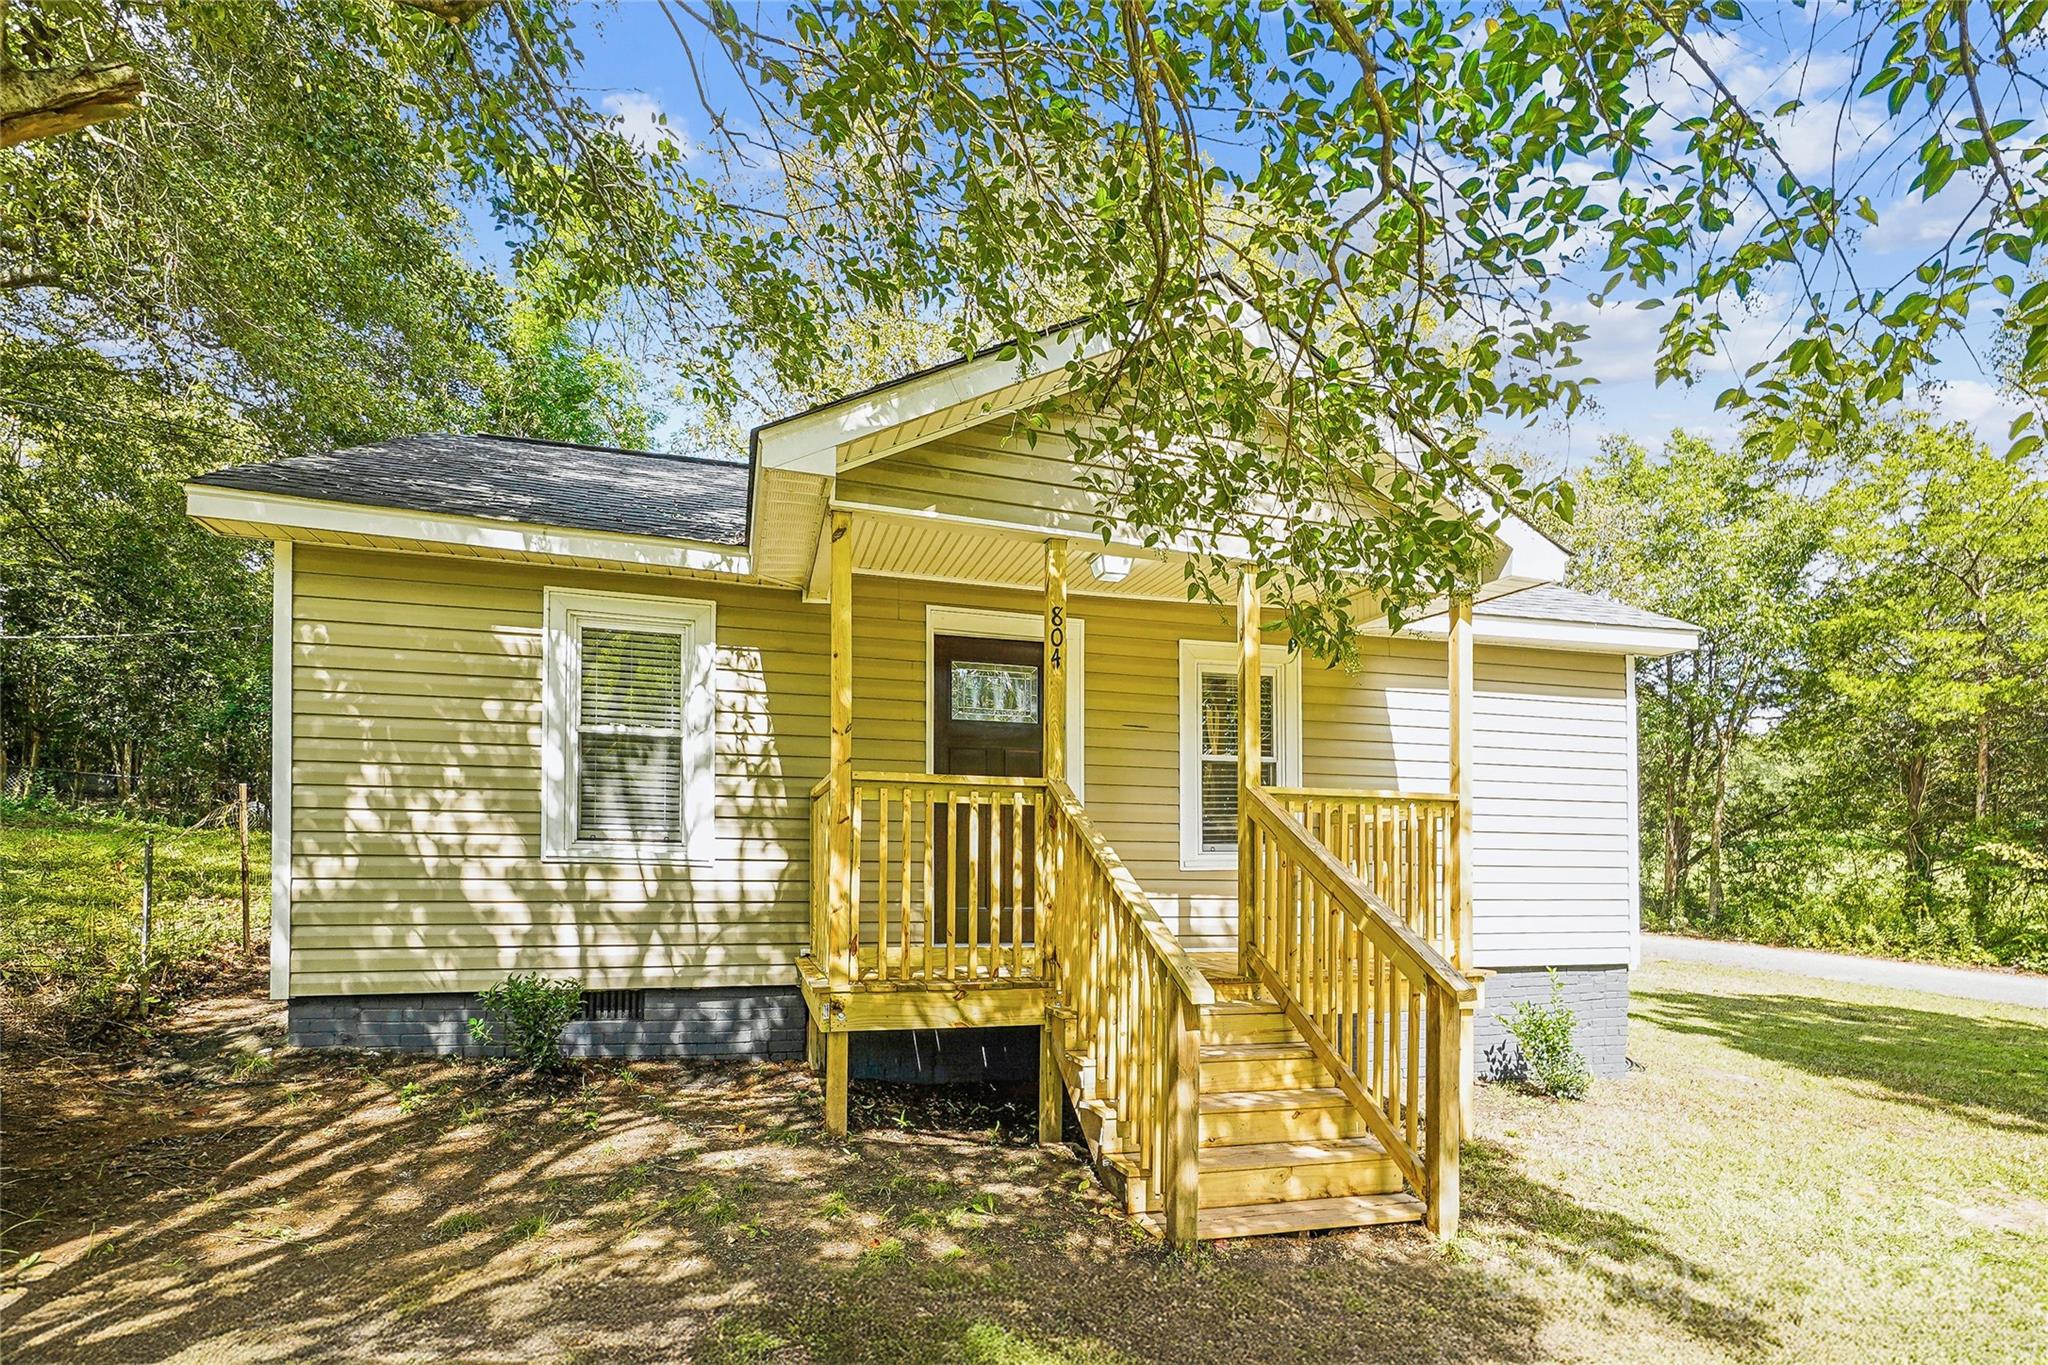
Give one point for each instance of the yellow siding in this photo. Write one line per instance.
(416, 771)
(1132, 667)
(416, 788)
(990, 472)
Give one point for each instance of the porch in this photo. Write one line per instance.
(1312, 1077)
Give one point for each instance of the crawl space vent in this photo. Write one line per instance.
(610, 1006)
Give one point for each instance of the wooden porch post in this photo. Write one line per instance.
(1458, 875)
(1459, 688)
(1051, 1085)
(1181, 1190)
(1450, 1036)
(839, 857)
(1248, 610)
(1055, 678)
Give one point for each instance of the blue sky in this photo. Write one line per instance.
(635, 68)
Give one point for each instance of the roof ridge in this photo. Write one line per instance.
(601, 450)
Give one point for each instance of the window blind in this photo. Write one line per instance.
(1217, 718)
(629, 735)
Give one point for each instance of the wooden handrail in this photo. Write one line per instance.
(946, 780)
(1356, 794)
(1374, 916)
(1131, 1000)
(1163, 941)
(1360, 985)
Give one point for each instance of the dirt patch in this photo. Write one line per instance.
(202, 1190)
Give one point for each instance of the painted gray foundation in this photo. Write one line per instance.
(1598, 996)
(735, 1022)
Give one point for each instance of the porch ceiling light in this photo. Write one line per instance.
(1111, 568)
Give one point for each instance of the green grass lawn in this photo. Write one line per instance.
(71, 900)
(1802, 1170)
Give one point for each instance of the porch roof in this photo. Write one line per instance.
(1552, 615)
(1555, 602)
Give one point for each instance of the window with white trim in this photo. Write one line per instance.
(1208, 742)
(628, 728)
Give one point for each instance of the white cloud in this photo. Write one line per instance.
(1985, 408)
(1622, 339)
(640, 119)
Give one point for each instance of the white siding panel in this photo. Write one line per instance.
(1554, 831)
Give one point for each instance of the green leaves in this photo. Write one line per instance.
(1330, 241)
(1400, 192)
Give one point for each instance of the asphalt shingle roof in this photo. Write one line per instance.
(541, 483)
(1554, 603)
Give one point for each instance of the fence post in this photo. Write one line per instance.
(242, 833)
(148, 899)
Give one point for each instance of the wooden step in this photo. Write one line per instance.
(1260, 1066)
(1279, 1172)
(1232, 1118)
(1247, 1021)
(1302, 1215)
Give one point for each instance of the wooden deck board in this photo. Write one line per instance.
(1304, 1215)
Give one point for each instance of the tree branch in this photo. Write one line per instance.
(454, 13)
(37, 104)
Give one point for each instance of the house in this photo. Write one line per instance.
(872, 733)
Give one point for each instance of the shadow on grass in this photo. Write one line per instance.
(1627, 1259)
(1984, 1069)
(420, 1208)
(413, 1207)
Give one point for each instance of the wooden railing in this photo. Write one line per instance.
(823, 953)
(947, 882)
(1129, 998)
(1378, 1003)
(1397, 844)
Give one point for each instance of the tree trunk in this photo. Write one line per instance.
(1673, 911)
(1980, 875)
(1716, 824)
(1919, 860)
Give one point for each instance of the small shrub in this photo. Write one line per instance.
(529, 1014)
(1550, 1053)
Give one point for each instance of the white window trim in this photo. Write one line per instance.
(567, 610)
(1195, 657)
(1013, 625)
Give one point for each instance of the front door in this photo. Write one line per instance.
(988, 703)
(987, 700)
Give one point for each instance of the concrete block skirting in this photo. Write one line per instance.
(765, 1022)
(1598, 996)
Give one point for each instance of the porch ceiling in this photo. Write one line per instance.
(941, 550)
